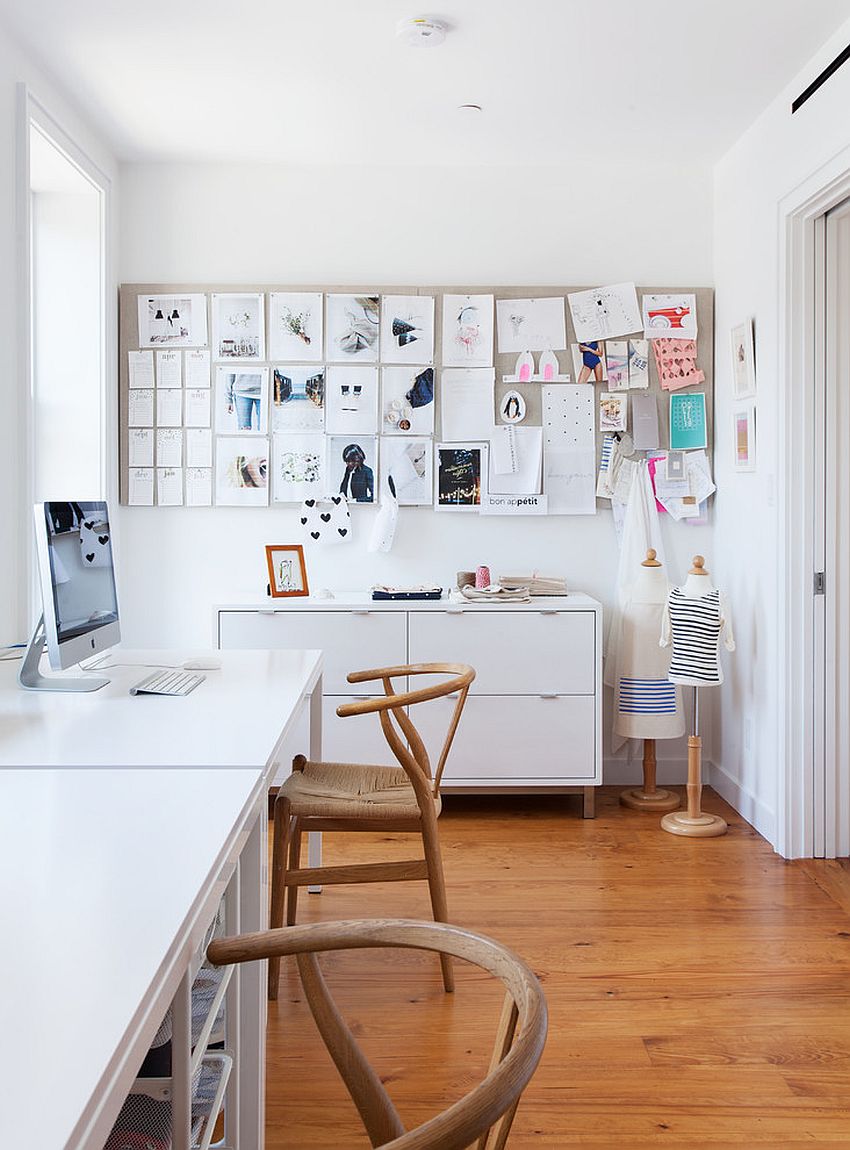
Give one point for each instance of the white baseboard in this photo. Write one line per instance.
(748, 805)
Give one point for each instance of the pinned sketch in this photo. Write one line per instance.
(676, 362)
(589, 361)
(141, 368)
(531, 324)
(617, 359)
(242, 400)
(512, 407)
(670, 315)
(525, 476)
(238, 326)
(295, 326)
(569, 449)
(605, 312)
(638, 364)
(407, 329)
(407, 401)
(352, 465)
(241, 472)
(461, 475)
(466, 403)
(351, 400)
(353, 324)
(467, 330)
(298, 466)
(298, 398)
(407, 467)
(172, 320)
(613, 411)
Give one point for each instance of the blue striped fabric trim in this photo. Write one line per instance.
(607, 447)
(647, 697)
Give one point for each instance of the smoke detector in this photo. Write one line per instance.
(421, 32)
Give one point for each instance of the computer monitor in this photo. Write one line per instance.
(79, 601)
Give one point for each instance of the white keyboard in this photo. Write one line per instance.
(167, 683)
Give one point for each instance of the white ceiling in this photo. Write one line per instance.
(326, 81)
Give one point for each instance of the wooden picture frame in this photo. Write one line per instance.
(287, 570)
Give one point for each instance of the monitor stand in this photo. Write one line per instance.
(31, 679)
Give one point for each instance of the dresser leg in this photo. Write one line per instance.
(589, 802)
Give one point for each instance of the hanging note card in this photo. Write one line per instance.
(141, 368)
(140, 407)
(613, 411)
(466, 403)
(528, 456)
(140, 444)
(169, 368)
(638, 363)
(603, 491)
(169, 407)
(645, 421)
(198, 487)
(687, 421)
(169, 447)
(503, 451)
(197, 366)
(676, 361)
(198, 447)
(198, 407)
(617, 360)
(569, 449)
(169, 486)
(141, 487)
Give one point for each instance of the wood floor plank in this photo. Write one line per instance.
(699, 991)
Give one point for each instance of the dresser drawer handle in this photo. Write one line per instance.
(454, 610)
(361, 611)
(550, 612)
(548, 694)
(266, 611)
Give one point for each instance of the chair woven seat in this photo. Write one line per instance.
(352, 790)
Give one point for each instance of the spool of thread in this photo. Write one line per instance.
(482, 578)
(465, 579)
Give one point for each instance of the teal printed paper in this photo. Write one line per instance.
(687, 421)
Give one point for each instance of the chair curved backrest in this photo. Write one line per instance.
(408, 746)
(482, 1117)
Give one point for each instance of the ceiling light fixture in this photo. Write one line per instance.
(421, 32)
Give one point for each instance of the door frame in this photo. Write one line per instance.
(801, 776)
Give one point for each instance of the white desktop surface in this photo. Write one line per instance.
(102, 878)
(236, 718)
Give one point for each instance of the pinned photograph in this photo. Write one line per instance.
(172, 320)
(407, 401)
(461, 469)
(298, 398)
(352, 328)
(351, 400)
(298, 466)
(638, 363)
(408, 468)
(287, 570)
(589, 361)
(352, 466)
(407, 329)
(613, 411)
(467, 331)
(295, 326)
(241, 472)
(241, 400)
(617, 361)
(743, 360)
(238, 328)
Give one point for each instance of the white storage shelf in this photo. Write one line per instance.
(533, 717)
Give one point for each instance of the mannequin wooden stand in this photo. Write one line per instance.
(649, 797)
(694, 822)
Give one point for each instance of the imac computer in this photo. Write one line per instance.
(79, 603)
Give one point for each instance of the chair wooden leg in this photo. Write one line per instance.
(437, 888)
(294, 863)
(281, 841)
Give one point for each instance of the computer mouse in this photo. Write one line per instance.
(202, 665)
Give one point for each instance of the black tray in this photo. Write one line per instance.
(408, 594)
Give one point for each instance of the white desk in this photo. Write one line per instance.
(108, 877)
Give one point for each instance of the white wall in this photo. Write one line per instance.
(274, 224)
(779, 152)
(16, 67)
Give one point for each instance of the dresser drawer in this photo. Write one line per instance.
(521, 741)
(351, 640)
(355, 739)
(513, 652)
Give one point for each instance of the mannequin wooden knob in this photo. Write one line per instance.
(650, 560)
(699, 566)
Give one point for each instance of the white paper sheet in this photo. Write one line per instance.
(140, 445)
(504, 455)
(407, 329)
(169, 447)
(140, 487)
(238, 327)
(531, 324)
(569, 442)
(669, 316)
(466, 403)
(529, 458)
(169, 368)
(295, 327)
(298, 466)
(141, 368)
(198, 407)
(169, 407)
(605, 312)
(467, 330)
(169, 486)
(199, 447)
(197, 368)
(140, 407)
(198, 487)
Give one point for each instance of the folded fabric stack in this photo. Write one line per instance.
(535, 584)
(497, 595)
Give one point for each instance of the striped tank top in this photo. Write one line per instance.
(696, 625)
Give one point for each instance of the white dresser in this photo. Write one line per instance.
(533, 719)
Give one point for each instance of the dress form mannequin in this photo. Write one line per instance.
(694, 620)
(650, 587)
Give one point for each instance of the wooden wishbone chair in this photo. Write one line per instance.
(482, 1118)
(358, 797)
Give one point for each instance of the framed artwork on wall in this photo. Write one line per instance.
(743, 360)
(744, 436)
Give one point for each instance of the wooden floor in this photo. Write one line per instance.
(699, 990)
